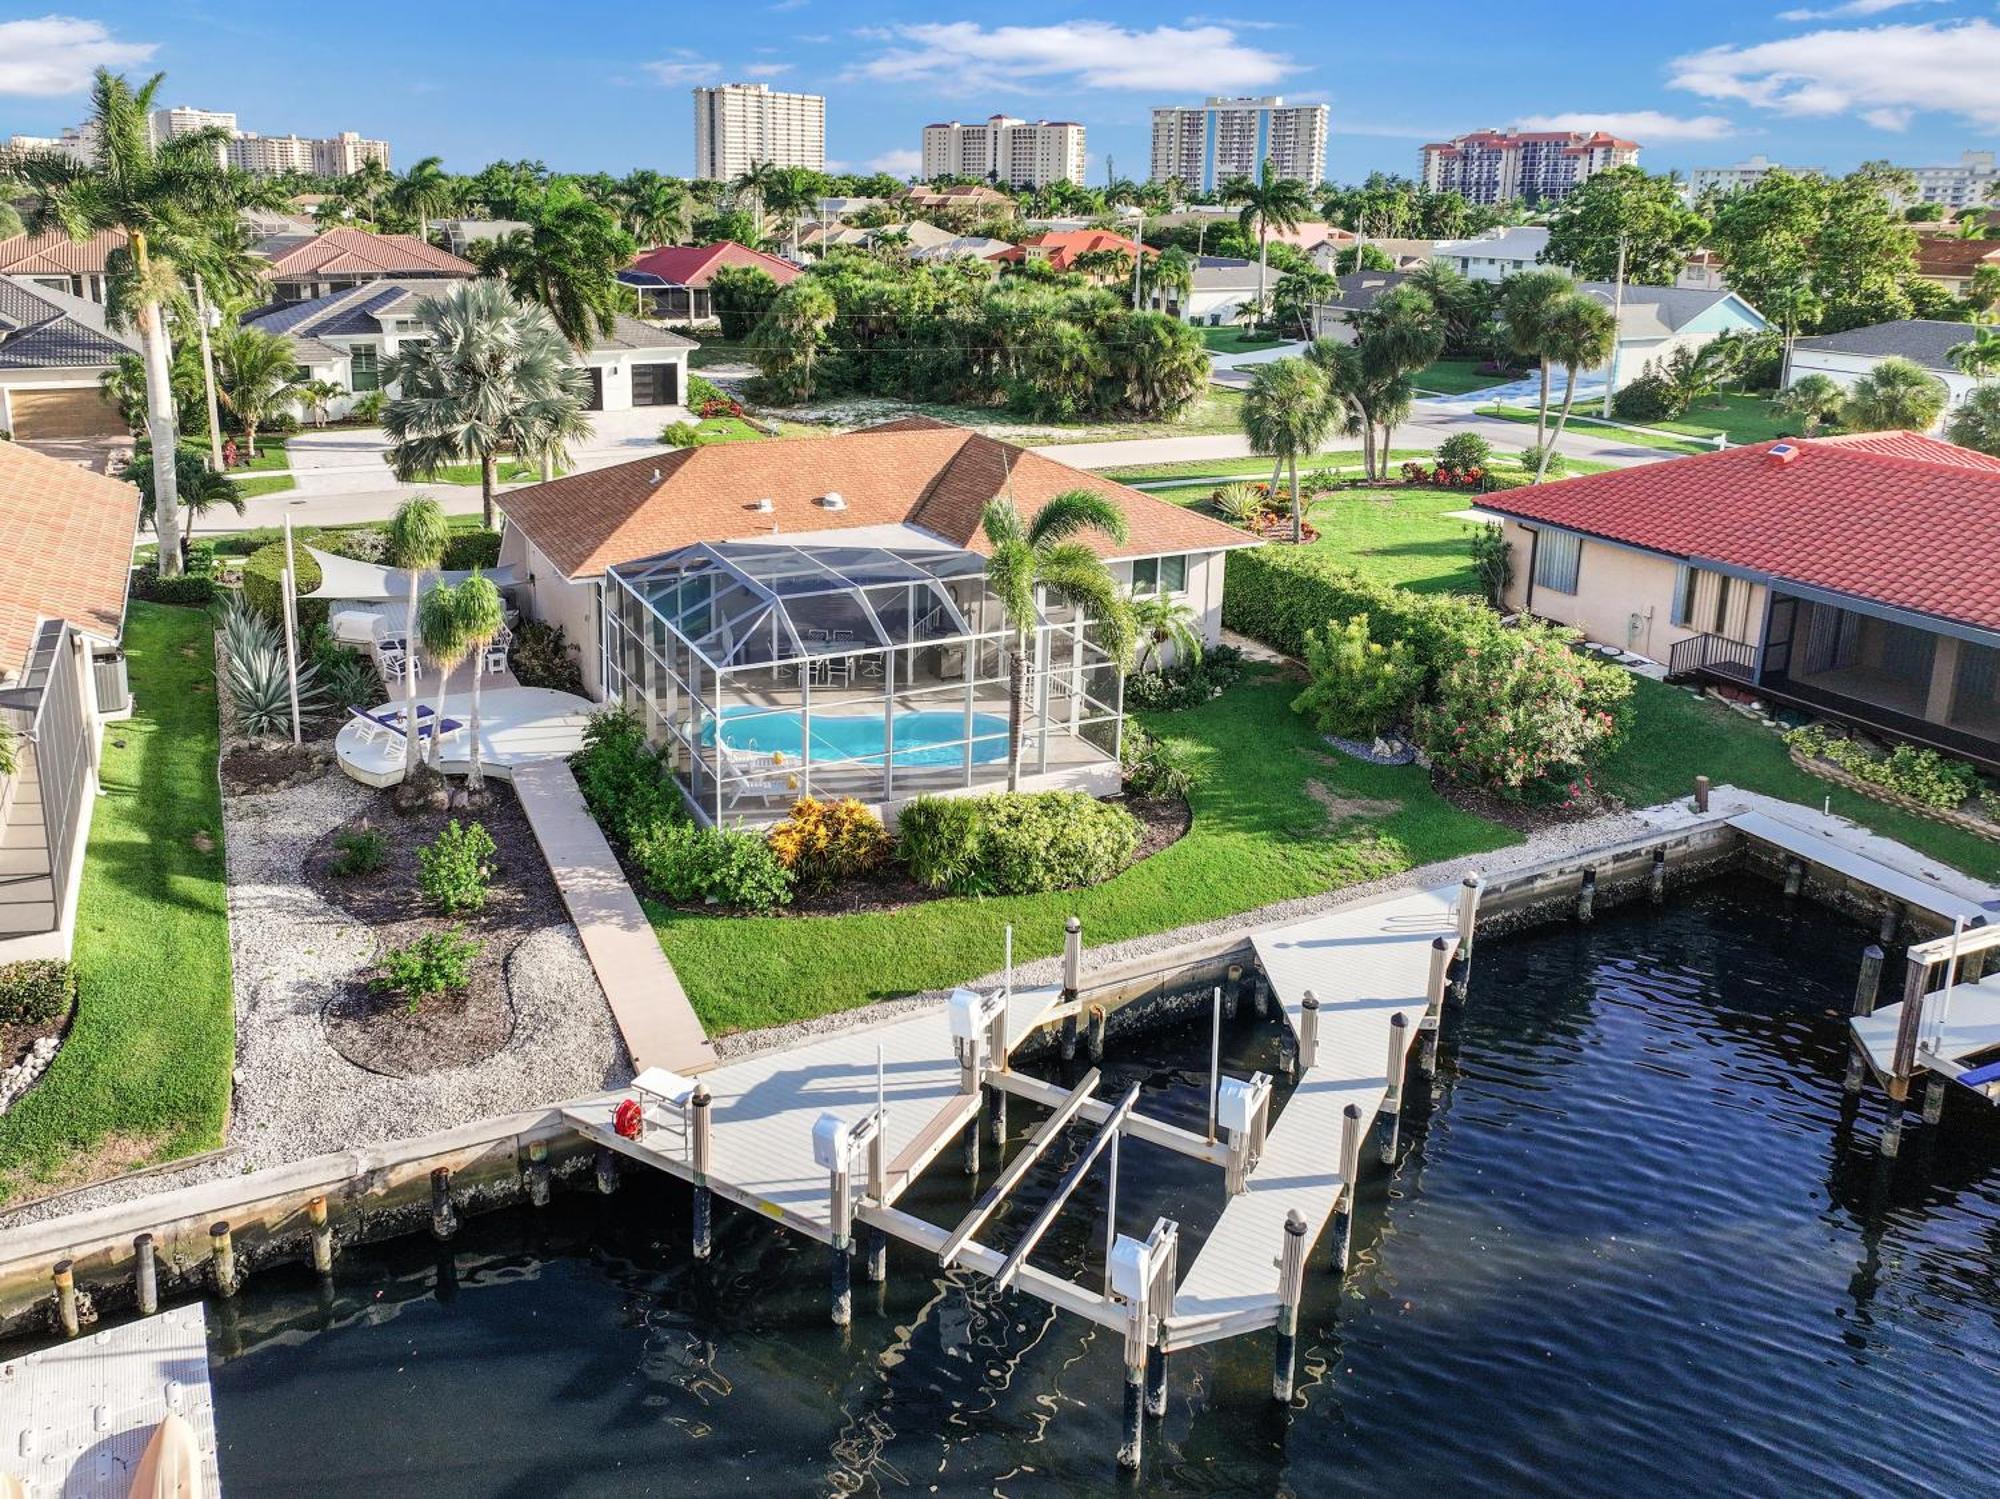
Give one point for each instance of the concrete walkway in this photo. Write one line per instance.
(660, 1027)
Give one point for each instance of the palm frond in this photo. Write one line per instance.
(1074, 511)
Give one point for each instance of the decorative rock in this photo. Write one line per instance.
(16, 1080)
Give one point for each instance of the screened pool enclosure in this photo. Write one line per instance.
(767, 671)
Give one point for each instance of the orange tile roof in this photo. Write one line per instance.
(1948, 255)
(695, 265)
(65, 548)
(1062, 246)
(56, 254)
(356, 252)
(914, 472)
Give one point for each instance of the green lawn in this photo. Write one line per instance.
(507, 471)
(1677, 736)
(1244, 468)
(1236, 340)
(144, 1075)
(250, 489)
(1745, 418)
(1590, 426)
(714, 429)
(1277, 816)
(1453, 377)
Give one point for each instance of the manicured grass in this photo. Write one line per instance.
(1245, 468)
(249, 489)
(1216, 410)
(714, 429)
(1236, 340)
(270, 454)
(144, 1074)
(1593, 428)
(1453, 377)
(508, 471)
(1746, 418)
(1676, 736)
(1263, 831)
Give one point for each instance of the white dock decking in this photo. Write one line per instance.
(761, 1120)
(1365, 964)
(1895, 884)
(75, 1418)
(1971, 1027)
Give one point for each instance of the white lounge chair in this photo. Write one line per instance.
(757, 777)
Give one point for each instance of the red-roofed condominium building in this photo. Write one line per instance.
(1858, 577)
(811, 615)
(1535, 166)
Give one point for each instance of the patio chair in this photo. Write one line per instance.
(757, 777)
(372, 728)
(495, 659)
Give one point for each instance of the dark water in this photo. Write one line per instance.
(1632, 1249)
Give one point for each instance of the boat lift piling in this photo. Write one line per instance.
(1938, 1034)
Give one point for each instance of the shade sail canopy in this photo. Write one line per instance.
(344, 578)
(762, 603)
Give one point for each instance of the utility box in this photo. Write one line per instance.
(970, 1013)
(831, 1136)
(1131, 1268)
(1238, 1101)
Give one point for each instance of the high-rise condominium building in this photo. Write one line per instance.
(1018, 153)
(260, 155)
(1972, 181)
(1536, 166)
(737, 125)
(1207, 144)
(1704, 180)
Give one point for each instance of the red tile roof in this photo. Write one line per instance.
(695, 265)
(1896, 518)
(915, 472)
(356, 252)
(1948, 255)
(65, 549)
(56, 254)
(1062, 246)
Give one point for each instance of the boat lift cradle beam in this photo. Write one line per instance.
(1038, 1144)
(1108, 1133)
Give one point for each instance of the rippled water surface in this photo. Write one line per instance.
(1631, 1248)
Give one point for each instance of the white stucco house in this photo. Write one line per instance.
(1223, 287)
(1494, 255)
(1654, 321)
(1846, 357)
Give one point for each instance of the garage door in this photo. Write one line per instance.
(655, 385)
(63, 413)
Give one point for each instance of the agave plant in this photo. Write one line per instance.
(261, 692)
(245, 632)
(1241, 503)
(348, 679)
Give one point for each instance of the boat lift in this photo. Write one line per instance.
(1951, 1033)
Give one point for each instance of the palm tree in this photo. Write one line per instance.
(1578, 334)
(1525, 300)
(756, 183)
(1169, 272)
(1978, 356)
(425, 191)
(1044, 557)
(1700, 374)
(1975, 422)
(1162, 621)
(790, 194)
(495, 376)
(417, 536)
(200, 489)
(1813, 399)
(257, 376)
(481, 617)
(1285, 413)
(442, 634)
(786, 341)
(656, 208)
(567, 258)
(147, 192)
(1299, 293)
(1270, 199)
(319, 395)
(1400, 334)
(1896, 395)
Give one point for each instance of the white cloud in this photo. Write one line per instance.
(1646, 126)
(900, 163)
(683, 67)
(1888, 119)
(1090, 54)
(766, 69)
(56, 55)
(1881, 72)
(1851, 9)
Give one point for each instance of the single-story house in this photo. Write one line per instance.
(351, 337)
(1060, 248)
(54, 349)
(963, 247)
(1223, 285)
(1950, 262)
(305, 266)
(65, 564)
(1858, 577)
(1653, 321)
(915, 235)
(1358, 291)
(811, 614)
(1496, 254)
(1846, 357)
(968, 198)
(673, 281)
(55, 261)
(1404, 254)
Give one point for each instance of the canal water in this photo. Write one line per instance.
(1631, 1248)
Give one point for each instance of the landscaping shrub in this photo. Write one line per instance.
(1648, 398)
(823, 843)
(1242, 503)
(938, 839)
(1359, 686)
(680, 435)
(259, 682)
(1921, 774)
(1493, 561)
(347, 677)
(36, 992)
(541, 658)
(702, 391)
(192, 590)
(1462, 452)
(1154, 768)
(1277, 594)
(436, 963)
(359, 851)
(1442, 477)
(1531, 456)
(1185, 683)
(465, 550)
(367, 407)
(1015, 843)
(622, 779)
(455, 870)
(686, 862)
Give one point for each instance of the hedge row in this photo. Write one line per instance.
(1277, 593)
(464, 550)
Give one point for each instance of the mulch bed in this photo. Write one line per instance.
(379, 1031)
(1522, 817)
(250, 768)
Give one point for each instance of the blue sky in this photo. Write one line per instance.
(588, 86)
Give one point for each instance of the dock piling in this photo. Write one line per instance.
(537, 1173)
(1137, 1359)
(1308, 1031)
(222, 1251)
(145, 1275)
(699, 1144)
(1892, 922)
(66, 1312)
(1350, 1171)
(1232, 994)
(1586, 896)
(1656, 881)
(322, 1236)
(1934, 1099)
(1072, 982)
(1156, 1381)
(607, 1170)
(843, 1229)
(1095, 1040)
(1869, 985)
(1291, 1285)
(444, 1217)
(1701, 793)
(1392, 1102)
(1795, 877)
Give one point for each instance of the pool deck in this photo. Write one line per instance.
(517, 726)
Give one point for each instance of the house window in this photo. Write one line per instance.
(1159, 575)
(1558, 555)
(1685, 578)
(364, 364)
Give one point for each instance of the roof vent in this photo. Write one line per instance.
(1783, 452)
(656, 476)
(831, 500)
(763, 506)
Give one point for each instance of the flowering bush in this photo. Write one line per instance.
(719, 406)
(1442, 477)
(1359, 687)
(822, 843)
(1921, 774)
(1520, 714)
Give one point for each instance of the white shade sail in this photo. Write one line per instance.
(344, 578)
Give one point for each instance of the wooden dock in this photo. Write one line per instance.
(75, 1418)
(1893, 884)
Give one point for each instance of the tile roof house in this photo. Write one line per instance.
(1846, 357)
(1951, 262)
(824, 575)
(1855, 576)
(305, 266)
(54, 349)
(674, 280)
(58, 263)
(1061, 247)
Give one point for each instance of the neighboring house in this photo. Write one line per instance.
(1061, 247)
(916, 234)
(54, 350)
(1858, 577)
(966, 197)
(1405, 254)
(1358, 291)
(1223, 287)
(352, 337)
(1951, 262)
(673, 281)
(1496, 254)
(307, 266)
(1654, 321)
(1846, 357)
(791, 598)
(56, 261)
(963, 247)
(65, 561)
(460, 235)
(1702, 271)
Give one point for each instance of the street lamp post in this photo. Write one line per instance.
(1617, 330)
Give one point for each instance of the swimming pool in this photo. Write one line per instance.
(922, 737)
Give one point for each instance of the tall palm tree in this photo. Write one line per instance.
(1285, 413)
(1978, 356)
(1400, 334)
(495, 376)
(567, 259)
(1265, 201)
(442, 633)
(791, 193)
(756, 184)
(1895, 395)
(424, 192)
(1300, 293)
(146, 192)
(1578, 334)
(1043, 557)
(417, 536)
(481, 617)
(1169, 272)
(656, 209)
(257, 377)
(1525, 300)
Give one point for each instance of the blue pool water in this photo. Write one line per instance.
(922, 738)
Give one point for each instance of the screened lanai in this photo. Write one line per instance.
(767, 671)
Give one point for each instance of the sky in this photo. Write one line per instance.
(587, 86)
